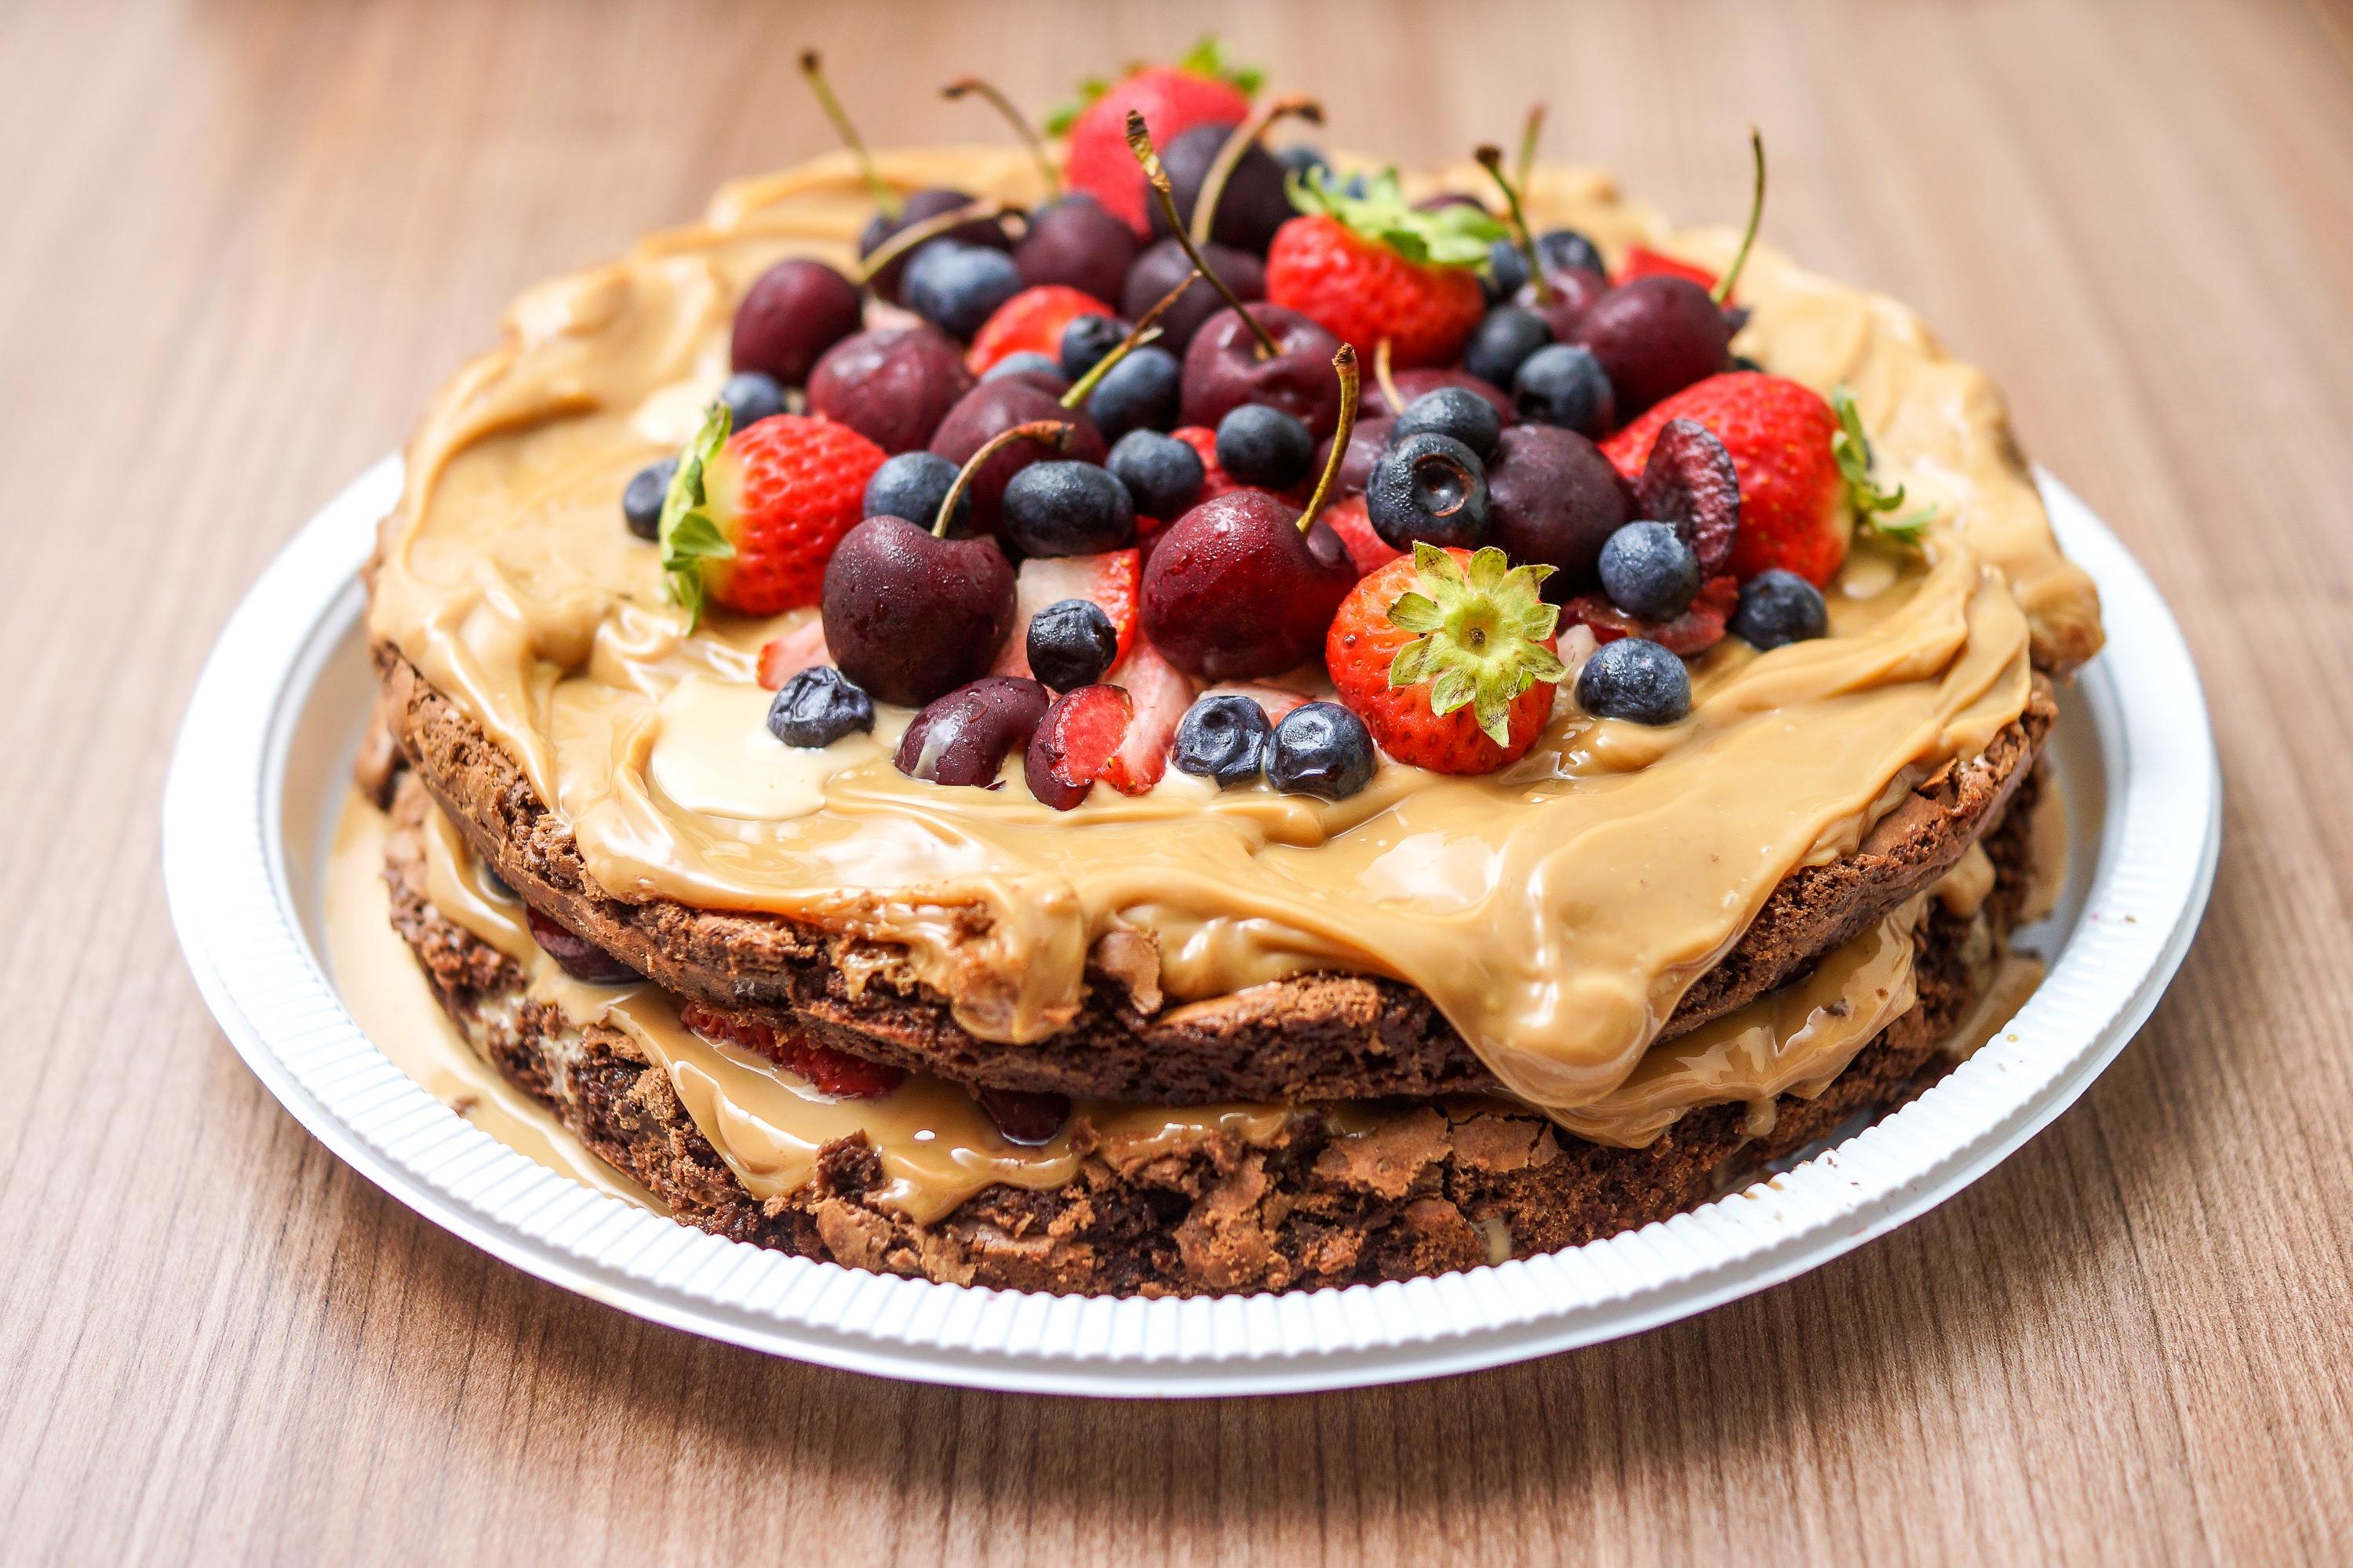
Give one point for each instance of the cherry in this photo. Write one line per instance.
(1367, 442)
(909, 612)
(576, 955)
(1166, 263)
(1570, 292)
(987, 412)
(1075, 241)
(1691, 483)
(790, 315)
(1231, 362)
(964, 736)
(1415, 383)
(1223, 167)
(893, 385)
(1552, 499)
(1243, 586)
(1558, 283)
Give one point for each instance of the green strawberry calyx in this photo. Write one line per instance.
(687, 534)
(1205, 59)
(1455, 235)
(1873, 502)
(1479, 635)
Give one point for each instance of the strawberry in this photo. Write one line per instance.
(1642, 261)
(1215, 480)
(782, 657)
(1117, 731)
(1699, 628)
(1200, 89)
(1160, 693)
(751, 518)
(1795, 495)
(1368, 267)
(1109, 579)
(830, 1072)
(1449, 658)
(1031, 322)
(1368, 549)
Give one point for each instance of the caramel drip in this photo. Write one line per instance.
(1556, 913)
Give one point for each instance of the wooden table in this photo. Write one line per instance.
(240, 242)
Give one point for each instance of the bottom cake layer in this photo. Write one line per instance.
(1213, 1201)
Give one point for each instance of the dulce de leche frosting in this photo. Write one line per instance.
(1556, 911)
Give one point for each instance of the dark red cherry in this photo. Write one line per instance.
(1572, 291)
(790, 315)
(1253, 206)
(1073, 241)
(1552, 499)
(964, 736)
(1655, 336)
(1413, 383)
(1234, 590)
(1223, 369)
(1367, 442)
(1691, 482)
(908, 616)
(892, 386)
(1163, 265)
(993, 407)
(923, 205)
(576, 956)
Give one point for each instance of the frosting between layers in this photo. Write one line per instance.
(1555, 913)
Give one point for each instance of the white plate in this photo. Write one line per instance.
(261, 765)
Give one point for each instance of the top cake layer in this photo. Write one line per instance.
(1555, 911)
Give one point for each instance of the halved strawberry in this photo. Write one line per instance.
(782, 657)
(1699, 628)
(1075, 743)
(1159, 693)
(1109, 580)
(828, 1071)
(1368, 549)
(1030, 322)
(1642, 261)
(751, 518)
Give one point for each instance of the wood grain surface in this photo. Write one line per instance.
(240, 242)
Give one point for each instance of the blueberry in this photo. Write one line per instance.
(1086, 340)
(818, 707)
(1224, 736)
(1067, 509)
(1139, 392)
(641, 498)
(1564, 384)
(1648, 571)
(1502, 341)
(1302, 160)
(957, 287)
(1779, 607)
(1027, 362)
(1565, 250)
(1162, 474)
(1072, 642)
(1453, 411)
(751, 397)
(1428, 487)
(1265, 447)
(1635, 679)
(912, 485)
(1321, 749)
(1507, 271)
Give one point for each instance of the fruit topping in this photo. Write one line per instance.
(642, 498)
(910, 613)
(1264, 355)
(1321, 748)
(1264, 447)
(790, 315)
(1642, 261)
(1199, 89)
(1369, 268)
(1163, 475)
(1070, 644)
(1085, 340)
(893, 385)
(1415, 383)
(912, 485)
(1366, 444)
(1142, 391)
(1242, 586)
(1169, 264)
(1075, 744)
(1635, 679)
(1035, 319)
(751, 397)
(1067, 509)
(1074, 241)
(1224, 736)
(1699, 628)
(1565, 386)
(782, 657)
(957, 287)
(1648, 571)
(964, 736)
(1045, 374)
(1449, 656)
(1553, 497)
(1224, 186)
(818, 707)
(827, 1070)
(1427, 488)
(751, 520)
(576, 956)
(1107, 582)
(1023, 1116)
(988, 411)
(1452, 411)
(1778, 607)
(1367, 551)
(1691, 481)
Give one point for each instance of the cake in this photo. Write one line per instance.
(1296, 812)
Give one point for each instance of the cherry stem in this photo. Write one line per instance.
(1053, 432)
(1230, 157)
(1143, 332)
(1529, 131)
(884, 197)
(1139, 141)
(1345, 362)
(1015, 117)
(1381, 378)
(930, 228)
(1490, 158)
(1722, 290)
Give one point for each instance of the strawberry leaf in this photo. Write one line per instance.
(688, 537)
(1452, 235)
(1207, 58)
(1852, 448)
